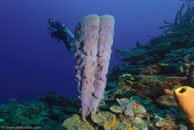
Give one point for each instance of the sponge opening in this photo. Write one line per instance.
(183, 90)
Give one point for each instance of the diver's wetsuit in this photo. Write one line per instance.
(60, 32)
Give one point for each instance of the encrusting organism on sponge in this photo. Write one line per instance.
(94, 38)
(185, 99)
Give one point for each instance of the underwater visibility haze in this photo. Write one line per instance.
(97, 65)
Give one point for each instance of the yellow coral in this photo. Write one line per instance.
(105, 124)
(185, 99)
(115, 109)
(168, 91)
(187, 65)
(132, 78)
(112, 124)
(135, 107)
(133, 128)
(122, 101)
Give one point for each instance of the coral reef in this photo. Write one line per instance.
(175, 46)
(45, 113)
(94, 38)
(56, 112)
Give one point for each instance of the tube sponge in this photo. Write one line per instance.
(185, 99)
(94, 38)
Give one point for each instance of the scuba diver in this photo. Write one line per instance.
(61, 32)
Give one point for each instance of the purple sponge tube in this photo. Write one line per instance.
(94, 38)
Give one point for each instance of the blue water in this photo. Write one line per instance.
(32, 63)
